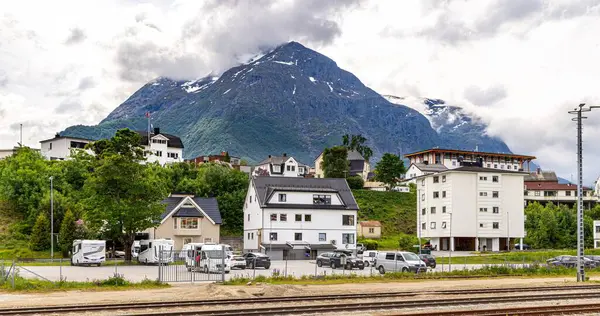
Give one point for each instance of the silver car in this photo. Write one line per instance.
(399, 262)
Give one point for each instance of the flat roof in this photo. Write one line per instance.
(467, 152)
(69, 137)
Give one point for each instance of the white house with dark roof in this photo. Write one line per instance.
(162, 148)
(298, 218)
(188, 219)
(281, 166)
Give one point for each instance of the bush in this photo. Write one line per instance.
(407, 242)
(370, 244)
(115, 280)
(355, 182)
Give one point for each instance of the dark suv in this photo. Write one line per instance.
(351, 262)
(324, 259)
(429, 260)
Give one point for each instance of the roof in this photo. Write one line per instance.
(370, 224)
(542, 176)
(69, 137)
(174, 141)
(541, 185)
(355, 155)
(208, 205)
(277, 160)
(266, 186)
(430, 167)
(468, 152)
(481, 169)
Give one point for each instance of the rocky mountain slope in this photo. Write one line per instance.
(291, 100)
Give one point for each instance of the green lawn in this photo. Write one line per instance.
(395, 210)
(113, 283)
(514, 257)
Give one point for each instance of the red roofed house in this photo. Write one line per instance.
(369, 229)
(543, 187)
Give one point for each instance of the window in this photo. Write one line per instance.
(283, 217)
(483, 209)
(495, 225)
(321, 199)
(282, 197)
(526, 193)
(598, 229)
(443, 209)
(422, 181)
(189, 223)
(298, 217)
(273, 217)
(436, 179)
(443, 178)
(172, 155)
(248, 235)
(516, 167)
(159, 141)
(443, 225)
(390, 256)
(482, 193)
(289, 168)
(277, 168)
(436, 195)
(568, 193)
(481, 225)
(174, 223)
(481, 178)
(508, 167)
(489, 165)
(494, 178)
(501, 166)
(423, 197)
(298, 236)
(537, 193)
(158, 153)
(495, 166)
(252, 235)
(495, 194)
(432, 225)
(293, 168)
(424, 226)
(433, 210)
(273, 236)
(348, 220)
(79, 145)
(496, 209)
(187, 240)
(443, 194)
(301, 170)
(307, 217)
(424, 211)
(550, 193)
(208, 240)
(322, 237)
(248, 217)
(50, 146)
(371, 230)
(347, 238)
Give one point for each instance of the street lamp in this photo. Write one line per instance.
(578, 112)
(419, 216)
(51, 219)
(450, 244)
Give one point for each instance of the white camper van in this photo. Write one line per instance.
(208, 258)
(150, 250)
(135, 249)
(88, 252)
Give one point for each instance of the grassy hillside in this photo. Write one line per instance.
(395, 210)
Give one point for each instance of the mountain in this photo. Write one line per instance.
(290, 100)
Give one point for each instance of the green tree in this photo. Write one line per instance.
(389, 169)
(335, 162)
(227, 158)
(67, 233)
(40, 235)
(357, 142)
(125, 196)
(355, 182)
(243, 162)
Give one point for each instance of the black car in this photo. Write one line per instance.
(570, 262)
(335, 261)
(257, 260)
(525, 247)
(324, 259)
(429, 260)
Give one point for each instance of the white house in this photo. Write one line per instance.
(596, 234)
(298, 218)
(59, 147)
(162, 148)
(281, 166)
(471, 208)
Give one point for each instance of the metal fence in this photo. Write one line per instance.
(193, 266)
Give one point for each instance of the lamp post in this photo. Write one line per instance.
(419, 216)
(450, 244)
(580, 241)
(507, 231)
(51, 219)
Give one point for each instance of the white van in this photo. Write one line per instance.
(88, 252)
(190, 251)
(135, 249)
(212, 258)
(150, 250)
(369, 257)
(399, 262)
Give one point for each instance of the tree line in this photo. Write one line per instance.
(110, 194)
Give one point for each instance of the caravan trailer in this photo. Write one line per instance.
(151, 249)
(88, 252)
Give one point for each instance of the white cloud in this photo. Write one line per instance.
(520, 65)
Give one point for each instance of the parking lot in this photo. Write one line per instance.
(139, 272)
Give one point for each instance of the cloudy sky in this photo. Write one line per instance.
(518, 64)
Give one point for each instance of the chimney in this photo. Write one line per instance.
(223, 153)
(284, 155)
(539, 170)
(156, 131)
(269, 156)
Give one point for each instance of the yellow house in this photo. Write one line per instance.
(369, 229)
(188, 219)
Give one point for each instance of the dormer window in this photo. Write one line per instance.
(291, 168)
(276, 168)
(159, 141)
(321, 199)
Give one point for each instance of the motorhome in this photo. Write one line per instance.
(155, 250)
(190, 251)
(208, 258)
(135, 249)
(88, 252)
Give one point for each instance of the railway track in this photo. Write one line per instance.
(525, 311)
(317, 298)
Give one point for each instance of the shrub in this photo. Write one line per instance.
(355, 182)
(370, 244)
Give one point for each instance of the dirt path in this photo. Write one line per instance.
(183, 292)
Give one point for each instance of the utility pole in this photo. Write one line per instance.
(419, 215)
(21, 135)
(51, 219)
(580, 237)
(450, 244)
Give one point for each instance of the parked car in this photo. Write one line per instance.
(370, 258)
(596, 259)
(324, 259)
(570, 262)
(256, 260)
(525, 247)
(399, 262)
(429, 260)
(238, 262)
(337, 261)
